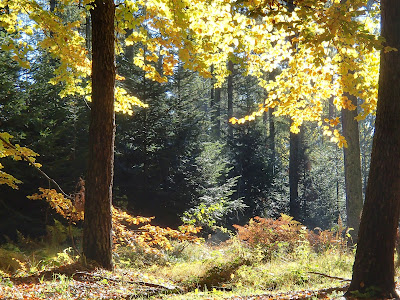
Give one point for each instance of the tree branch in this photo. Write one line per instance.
(8, 144)
(328, 276)
(97, 277)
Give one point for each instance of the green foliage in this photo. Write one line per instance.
(59, 233)
(221, 273)
(206, 215)
(250, 152)
(321, 193)
(214, 188)
(200, 269)
(370, 293)
(10, 260)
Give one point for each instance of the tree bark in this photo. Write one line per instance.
(271, 139)
(215, 105)
(294, 161)
(129, 50)
(230, 99)
(217, 113)
(97, 241)
(52, 5)
(294, 175)
(352, 168)
(373, 270)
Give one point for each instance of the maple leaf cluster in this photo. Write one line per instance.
(128, 230)
(16, 152)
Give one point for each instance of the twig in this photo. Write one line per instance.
(38, 169)
(329, 276)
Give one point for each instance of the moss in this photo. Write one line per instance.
(221, 273)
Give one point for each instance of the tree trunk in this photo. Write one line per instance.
(373, 269)
(97, 241)
(352, 168)
(217, 113)
(230, 99)
(271, 139)
(331, 112)
(87, 32)
(215, 105)
(294, 175)
(129, 50)
(52, 5)
(294, 161)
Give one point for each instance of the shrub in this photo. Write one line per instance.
(272, 235)
(337, 237)
(287, 234)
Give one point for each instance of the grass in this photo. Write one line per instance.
(190, 271)
(249, 273)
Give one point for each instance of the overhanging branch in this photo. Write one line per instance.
(51, 180)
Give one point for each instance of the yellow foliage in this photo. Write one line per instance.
(62, 205)
(324, 49)
(150, 238)
(16, 152)
(126, 229)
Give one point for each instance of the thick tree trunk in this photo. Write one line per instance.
(97, 241)
(352, 168)
(373, 269)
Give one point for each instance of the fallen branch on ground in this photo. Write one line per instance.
(147, 284)
(329, 276)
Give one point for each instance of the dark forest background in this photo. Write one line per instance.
(179, 160)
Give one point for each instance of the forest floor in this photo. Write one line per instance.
(226, 271)
(77, 282)
(294, 264)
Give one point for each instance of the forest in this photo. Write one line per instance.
(204, 149)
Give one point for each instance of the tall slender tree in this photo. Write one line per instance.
(230, 97)
(97, 241)
(373, 270)
(295, 158)
(352, 168)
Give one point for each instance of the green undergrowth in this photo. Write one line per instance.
(286, 264)
(234, 269)
(29, 256)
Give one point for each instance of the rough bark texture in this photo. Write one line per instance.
(352, 168)
(97, 242)
(373, 270)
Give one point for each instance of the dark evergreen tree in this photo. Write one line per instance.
(56, 128)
